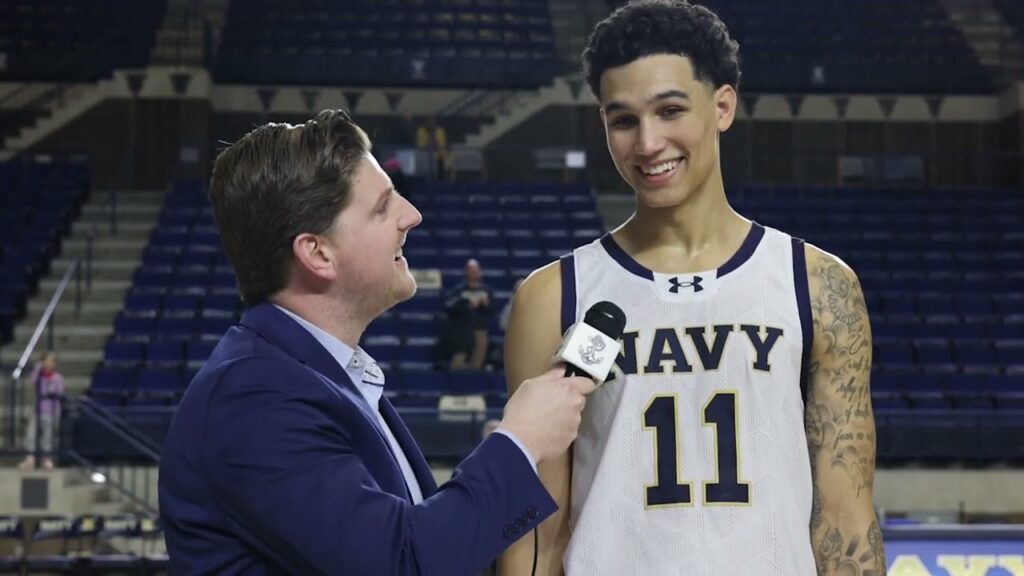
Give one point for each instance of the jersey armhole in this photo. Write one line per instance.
(803, 304)
(568, 269)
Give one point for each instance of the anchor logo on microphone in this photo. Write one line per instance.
(589, 353)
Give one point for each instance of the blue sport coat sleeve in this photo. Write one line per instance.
(292, 479)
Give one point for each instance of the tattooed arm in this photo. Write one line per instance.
(840, 425)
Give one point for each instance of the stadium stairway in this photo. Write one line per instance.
(990, 35)
(79, 340)
(61, 110)
(521, 108)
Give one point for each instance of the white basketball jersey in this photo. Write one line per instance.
(692, 460)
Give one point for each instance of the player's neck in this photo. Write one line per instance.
(704, 219)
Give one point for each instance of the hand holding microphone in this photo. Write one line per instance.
(544, 413)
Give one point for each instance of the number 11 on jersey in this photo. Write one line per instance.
(669, 489)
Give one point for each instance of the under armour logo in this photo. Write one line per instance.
(676, 284)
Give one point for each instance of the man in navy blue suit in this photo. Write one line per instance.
(284, 456)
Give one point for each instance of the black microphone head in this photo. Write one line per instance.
(608, 318)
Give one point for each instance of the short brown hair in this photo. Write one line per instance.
(277, 182)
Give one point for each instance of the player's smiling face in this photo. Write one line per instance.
(662, 125)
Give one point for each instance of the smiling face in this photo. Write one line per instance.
(662, 126)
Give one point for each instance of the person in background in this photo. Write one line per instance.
(393, 168)
(49, 387)
(432, 137)
(468, 304)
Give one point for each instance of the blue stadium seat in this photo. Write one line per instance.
(973, 352)
(898, 304)
(933, 351)
(123, 353)
(142, 302)
(159, 382)
(164, 352)
(198, 352)
(215, 325)
(893, 352)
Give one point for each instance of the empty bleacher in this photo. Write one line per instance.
(56, 41)
(862, 46)
(38, 202)
(479, 43)
(1013, 12)
(943, 275)
(184, 296)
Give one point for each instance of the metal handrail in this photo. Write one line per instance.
(118, 426)
(110, 479)
(46, 322)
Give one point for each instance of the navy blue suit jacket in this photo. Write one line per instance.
(275, 463)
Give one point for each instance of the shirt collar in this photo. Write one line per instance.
(354, 361)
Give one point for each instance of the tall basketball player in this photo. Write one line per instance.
(736, 437)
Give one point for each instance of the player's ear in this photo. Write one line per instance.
(725, 106)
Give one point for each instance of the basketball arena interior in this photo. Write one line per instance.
(890, 134)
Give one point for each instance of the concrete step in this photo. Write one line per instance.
(94, 313)
(139, 195)
(66, 338)
(10, 354)
(66, 315)
(48, 285)
(102, 268)
(76, 366)
(123, 251)
(68, 344)
(99, 292)
(125, 214)
(133, 229)
(117, 248)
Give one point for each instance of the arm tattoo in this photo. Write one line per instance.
(877, 546)
(841, 319)
(851, 557)
(840, 425)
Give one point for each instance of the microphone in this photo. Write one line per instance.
(589, 348)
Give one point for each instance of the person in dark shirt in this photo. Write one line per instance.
(468, 304)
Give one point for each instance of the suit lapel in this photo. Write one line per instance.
(412, 452)
(278, 329)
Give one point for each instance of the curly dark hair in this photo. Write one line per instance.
(647, 27)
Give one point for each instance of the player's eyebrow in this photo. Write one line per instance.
(615, 106)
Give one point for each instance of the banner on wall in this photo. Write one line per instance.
(955, 558)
